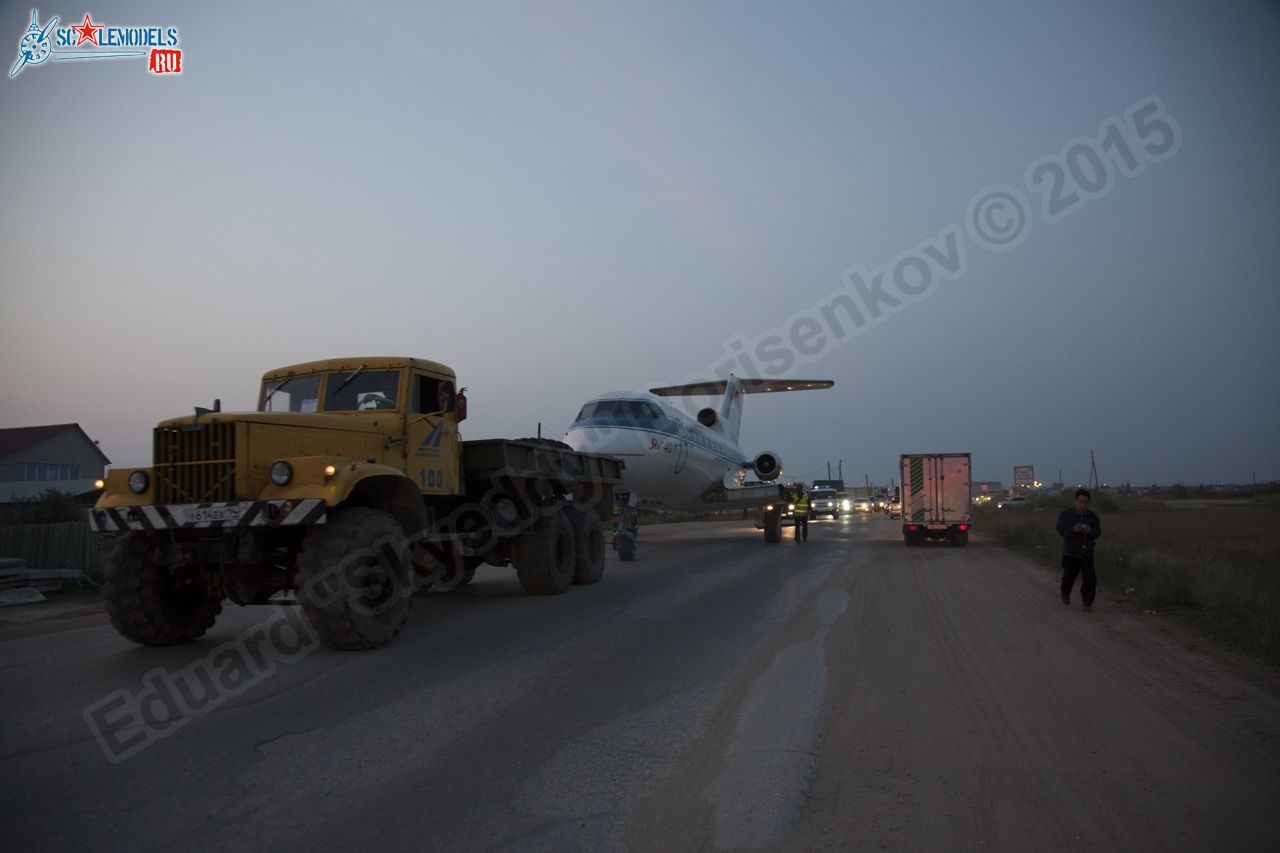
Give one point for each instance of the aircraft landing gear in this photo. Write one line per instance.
(627, 529)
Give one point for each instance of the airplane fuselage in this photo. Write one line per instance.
(671, 459)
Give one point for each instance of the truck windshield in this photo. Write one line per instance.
(368, 389)
(291, 394)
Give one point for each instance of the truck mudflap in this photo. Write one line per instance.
(207, 516)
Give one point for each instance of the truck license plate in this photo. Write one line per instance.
(935, 527)
(202, 514)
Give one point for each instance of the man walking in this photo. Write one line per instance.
(801, 512)
(1079, 528)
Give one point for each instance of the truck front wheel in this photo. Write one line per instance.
(353, 580)
(147, 603)
(588, 537)
(544, 556)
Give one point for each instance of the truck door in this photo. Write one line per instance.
(432, 449)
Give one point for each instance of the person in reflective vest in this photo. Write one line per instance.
(801, 513)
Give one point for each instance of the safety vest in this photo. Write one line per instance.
(802, 504)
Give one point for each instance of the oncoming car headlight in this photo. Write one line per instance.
(281, 473)
(138, 482)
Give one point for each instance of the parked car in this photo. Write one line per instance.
(1011, 503)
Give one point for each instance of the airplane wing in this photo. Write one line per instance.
(749, 386)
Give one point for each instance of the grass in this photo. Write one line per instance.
(1211, 564)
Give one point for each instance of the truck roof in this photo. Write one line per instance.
(373, 362)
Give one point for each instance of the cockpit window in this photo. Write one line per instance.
(632, 410)
(291, 394)
(635, 410)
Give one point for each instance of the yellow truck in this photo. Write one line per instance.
(349, 486)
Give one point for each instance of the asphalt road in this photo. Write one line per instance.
(718, 693)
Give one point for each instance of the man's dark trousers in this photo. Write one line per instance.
(1072, 567)
(802, 521)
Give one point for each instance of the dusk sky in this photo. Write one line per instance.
(1024, 230)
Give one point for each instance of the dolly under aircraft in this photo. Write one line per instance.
(681, 463)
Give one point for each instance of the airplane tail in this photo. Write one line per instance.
(727, 418)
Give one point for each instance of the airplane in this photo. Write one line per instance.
(681, 463)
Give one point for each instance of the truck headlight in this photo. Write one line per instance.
(281, 473)
(138, 482)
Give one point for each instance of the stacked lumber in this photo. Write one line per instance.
(17, 578)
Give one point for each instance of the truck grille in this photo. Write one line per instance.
(195, 465)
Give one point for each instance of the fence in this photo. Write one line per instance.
(45, 546)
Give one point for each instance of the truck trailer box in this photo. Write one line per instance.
(935, 497)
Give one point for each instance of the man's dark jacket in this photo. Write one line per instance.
(1078, 544)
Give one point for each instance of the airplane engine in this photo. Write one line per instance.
(767, 466)
(708, 417)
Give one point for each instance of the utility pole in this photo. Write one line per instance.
(1093, 471)
(828, 469)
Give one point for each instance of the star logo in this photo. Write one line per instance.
(87, 32)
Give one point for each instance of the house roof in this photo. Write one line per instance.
(19, 438)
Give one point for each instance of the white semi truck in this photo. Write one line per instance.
(935, 497)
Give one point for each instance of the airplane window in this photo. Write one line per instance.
(636, 410)
(604, 408)
(585, 413)
(652, 411)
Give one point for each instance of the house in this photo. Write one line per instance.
(59, 456)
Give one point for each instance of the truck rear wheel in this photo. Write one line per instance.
(146, 603)
(353, 579)
(544, 556)
(588, 537)
(960, 539)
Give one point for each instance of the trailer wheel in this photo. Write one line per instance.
(146, 603)
(625, 544)
(588, 537)
(772, 528)
(544, 557)
(354, 579)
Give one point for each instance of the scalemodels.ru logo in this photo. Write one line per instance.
(97, 41)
